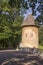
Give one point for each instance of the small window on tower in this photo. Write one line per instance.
(26, 34)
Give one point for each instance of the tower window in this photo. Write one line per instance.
(26, 34)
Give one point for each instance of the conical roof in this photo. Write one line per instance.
(28, 21)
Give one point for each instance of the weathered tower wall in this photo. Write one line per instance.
(30, 37)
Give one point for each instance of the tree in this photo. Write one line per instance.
(9, 25)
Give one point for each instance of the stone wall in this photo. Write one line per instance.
(29, 37)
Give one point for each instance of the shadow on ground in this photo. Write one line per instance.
(20, 58)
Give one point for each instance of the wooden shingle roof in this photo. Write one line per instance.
(28, 21)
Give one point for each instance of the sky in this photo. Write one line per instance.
(29, 11)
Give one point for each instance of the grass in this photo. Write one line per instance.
(40, 46)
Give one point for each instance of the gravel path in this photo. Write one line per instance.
(19, 58)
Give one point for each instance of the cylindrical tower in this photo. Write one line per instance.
(29, 33)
